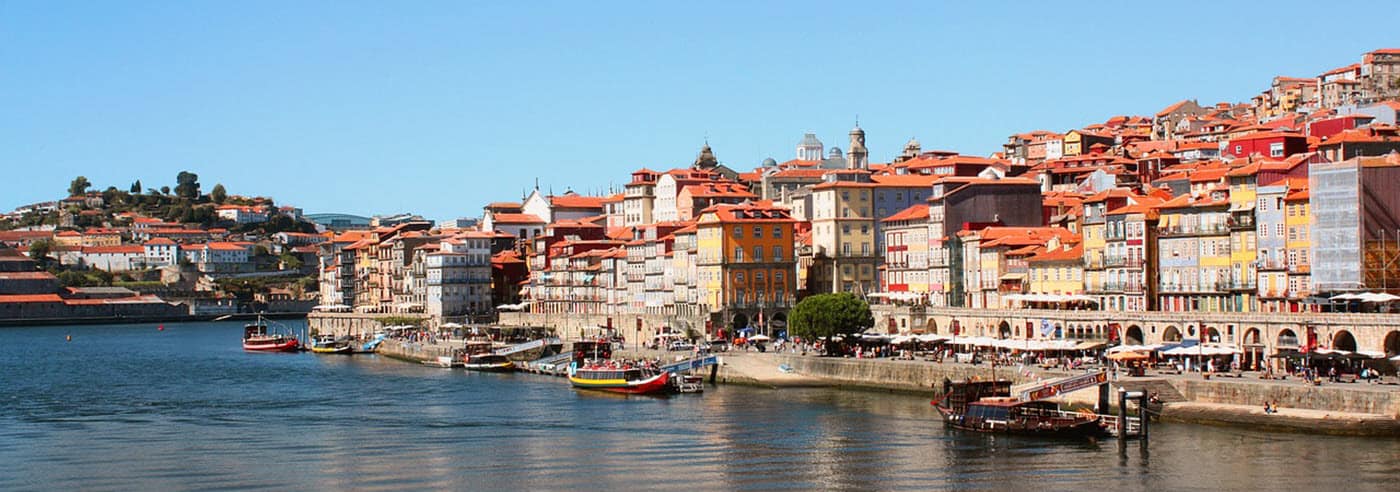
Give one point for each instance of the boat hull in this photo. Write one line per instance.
(658, 384)
(288, 345)
(493, 367)
(1057, 428)
(345, 349)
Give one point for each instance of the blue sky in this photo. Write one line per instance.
(439, 107)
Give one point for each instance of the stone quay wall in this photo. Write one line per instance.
(412, 351)
(1336, 397)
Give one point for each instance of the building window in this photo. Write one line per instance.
(777, 231)
(738, 253)
(758, 276)
(758, 253)
(757, 231)
(777, 253)
(738, 231)
(1276, 149)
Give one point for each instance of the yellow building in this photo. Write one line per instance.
(745, 263)
(1297, 222)
(843, 234)
(1057, 271)
(1242, 281)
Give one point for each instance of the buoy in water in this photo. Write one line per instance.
(68, 338)
(160, 328)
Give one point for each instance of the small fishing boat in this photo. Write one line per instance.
(488, 363)
(327, 344)
(256, 338)
(629, 380)
(987, 406)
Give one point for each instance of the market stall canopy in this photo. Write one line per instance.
(1128, 356)
(1202, 350)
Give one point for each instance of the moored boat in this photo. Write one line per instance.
(257, 338)
(986, 406)
(330, 345)
(488, 363)
(629, 380)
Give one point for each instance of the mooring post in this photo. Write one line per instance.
(1122, 417)
(1104, 389)
(1142, 421)
(714, 370)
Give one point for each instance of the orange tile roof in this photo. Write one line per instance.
(916, 212)
(516, 219)
(29, 298)
(576, 201)
(1075, 253)
(904, 180)
(127, 249)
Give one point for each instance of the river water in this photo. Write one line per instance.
(131, 407)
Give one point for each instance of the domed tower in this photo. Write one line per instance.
(770, 162)
(706, 159)
(911, 150)
(810, 148)
(858, 156)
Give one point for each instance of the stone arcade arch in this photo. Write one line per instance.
(1171, 334)
(1253, 346)
(1133, 336)
(1343, 340)
(1004, 330)
(932, 326)
(1391, 345)
(1286, 339)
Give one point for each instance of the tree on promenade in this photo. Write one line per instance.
(828, 315)
(79, 186)
(136, 187)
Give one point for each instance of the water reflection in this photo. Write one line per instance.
(133, 408)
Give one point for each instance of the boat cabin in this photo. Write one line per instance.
(585, 350)
(611, 374)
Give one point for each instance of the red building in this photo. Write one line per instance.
(1267, 144)
(1333, 126)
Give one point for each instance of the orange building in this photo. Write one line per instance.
(745, 264)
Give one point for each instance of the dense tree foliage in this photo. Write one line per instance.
(218, 194)
(187, 185)
(829, 315)
(79, 186)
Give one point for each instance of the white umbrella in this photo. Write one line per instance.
(451, 325)
(1377, 297)
(1345, 297)
(760, 338)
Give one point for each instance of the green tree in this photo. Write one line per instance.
(79, 186)
(187, 185)
(218, 194)
(828, 315)
(136, 187)
(74, 279)
(165, 190)
(39, 251)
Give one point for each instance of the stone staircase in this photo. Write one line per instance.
(1164, 389)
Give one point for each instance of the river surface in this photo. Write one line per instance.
(131, 407)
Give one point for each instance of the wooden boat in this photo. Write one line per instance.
(635, 380)
(257, 338)
(488, 363)
(987, 406)
(329, 345)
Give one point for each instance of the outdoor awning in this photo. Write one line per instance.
(1013, 276)
(1090, 345)
(1243, 206)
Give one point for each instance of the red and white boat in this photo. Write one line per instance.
(628, 380)
(256, 338)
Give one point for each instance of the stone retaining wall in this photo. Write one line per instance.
(1351, 397)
